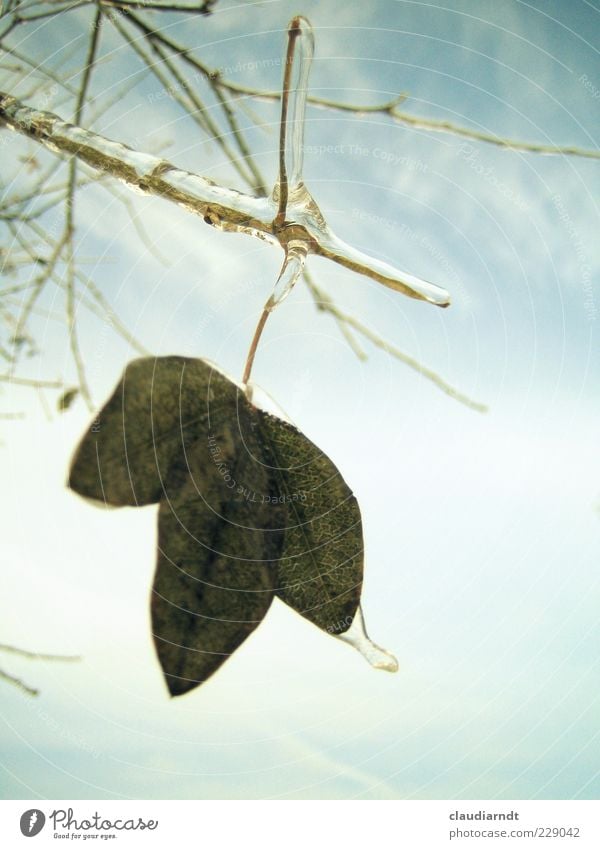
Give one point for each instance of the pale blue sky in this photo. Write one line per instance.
(482, 532)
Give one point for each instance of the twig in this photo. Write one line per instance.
(34, 655)
(26, 381)
(38, 284)
(103, 310)
(203, 8)
(258, 183)
(282, 182)
(36, 68)
(290, 146)
(18, 683)
(72, 325)
(70, 219)
(328, 304)
(198, 116)
(225, 208)
(139, 225)
(431, 124)
(323, 302)
(44, 404)
(57, 9)
(254, 344)
(44, 313)
(499, 141)
(155, 39)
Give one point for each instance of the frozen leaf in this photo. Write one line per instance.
(320, 571)
(220, 534)
(138, 434)
(249, 508)
(214, 581)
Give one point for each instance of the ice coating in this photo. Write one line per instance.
(219, 206)
(294, 202)
(298, 223)
(357, 637)
(297, 65)
(295, 258)
(305, 48)
(401, 281)
(289, 192)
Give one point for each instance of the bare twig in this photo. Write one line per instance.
(322, 302)
(38, 284)
(26, 381)
(256, 181)
(57, 8)
(101, 308)
(282, 182)
(18, 683)
(139, 225)
(488, 138)
(156, 39)
(49, 74)
(34, 655)
(203, 8)
(390, 108)
(193, 108)
(70, 215)
(326, 303)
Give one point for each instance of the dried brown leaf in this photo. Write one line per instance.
(249, 508)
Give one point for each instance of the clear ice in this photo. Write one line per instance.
(357, 637)
(289, 214)
(296, 206)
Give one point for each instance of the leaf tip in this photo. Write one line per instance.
(179, 686)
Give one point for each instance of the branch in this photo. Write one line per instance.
(102, 308)
(204, 8)
(34, 655)
(70, 215)
(26, 381)
(155, 39)
(326, 303)
(499, 141)
(224, 208)
(430, 124)
(18, 683)
(38, 284)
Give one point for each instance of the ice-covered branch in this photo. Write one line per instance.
(221, 207)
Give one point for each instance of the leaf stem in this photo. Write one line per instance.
(254, 344)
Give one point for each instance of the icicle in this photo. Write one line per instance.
(293, 106)
(329, 245)
(294, 202)
(357, 637)
(293, 265)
